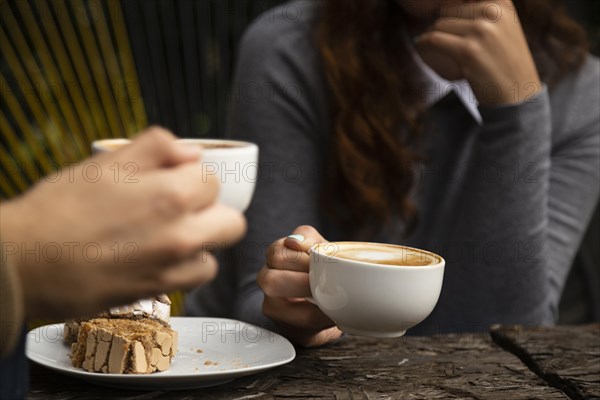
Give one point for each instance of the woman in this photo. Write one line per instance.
(363, 137)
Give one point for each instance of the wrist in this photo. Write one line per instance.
(514, 117)
(13, 234)
(506, 93)
(11, 231)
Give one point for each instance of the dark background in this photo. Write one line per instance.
(199, 39)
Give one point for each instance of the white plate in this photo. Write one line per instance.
(212, 351)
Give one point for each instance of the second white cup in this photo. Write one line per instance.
(234, 163)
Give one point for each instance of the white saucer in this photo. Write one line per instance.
(212, 351)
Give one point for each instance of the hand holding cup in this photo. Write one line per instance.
(316, 289)
(105, 239)
(285, 283)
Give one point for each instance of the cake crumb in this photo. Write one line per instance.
(199, 351)
(208, 363)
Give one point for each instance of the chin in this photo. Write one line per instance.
(424, 9)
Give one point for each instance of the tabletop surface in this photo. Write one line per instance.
(511, 362)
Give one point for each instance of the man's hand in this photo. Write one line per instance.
(135, 224)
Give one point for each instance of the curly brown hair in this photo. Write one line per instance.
(377, 102)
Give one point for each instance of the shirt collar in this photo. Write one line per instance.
(437, 88)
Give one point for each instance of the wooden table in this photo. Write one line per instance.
(509, 363)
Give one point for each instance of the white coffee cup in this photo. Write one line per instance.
(363, 288)
(233, 162)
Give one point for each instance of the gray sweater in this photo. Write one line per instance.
(505, 203)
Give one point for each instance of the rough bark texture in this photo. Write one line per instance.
(565, 360)
(443, 367)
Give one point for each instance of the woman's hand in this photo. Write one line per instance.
(120, 226)
(484, 43)
(284, 280)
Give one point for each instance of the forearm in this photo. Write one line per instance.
(503, 216)
(507, 188)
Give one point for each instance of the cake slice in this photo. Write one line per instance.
(157, 308)
(123, 346)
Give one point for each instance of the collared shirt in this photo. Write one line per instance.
(438, 87)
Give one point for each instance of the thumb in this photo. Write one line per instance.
(303, 238)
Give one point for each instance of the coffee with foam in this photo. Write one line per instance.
(379, 254)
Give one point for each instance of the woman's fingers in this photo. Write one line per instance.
(299, 314)
(320, 338)
(303, 238)
(453, 46)
(458, 27)
(283, 258)
(291, 252)
(283, 283)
